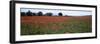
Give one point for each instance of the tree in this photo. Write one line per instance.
(40, 13)
(49, 14)
(23, 14)
(29, 13)
(60, 14)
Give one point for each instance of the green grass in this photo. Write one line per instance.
(72, 26)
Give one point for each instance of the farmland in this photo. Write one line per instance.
(35, 25)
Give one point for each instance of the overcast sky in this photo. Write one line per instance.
(56, 11)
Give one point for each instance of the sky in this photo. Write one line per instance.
(56, 11)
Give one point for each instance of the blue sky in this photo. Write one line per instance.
(55, 12)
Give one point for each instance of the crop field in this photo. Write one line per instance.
(36, 25)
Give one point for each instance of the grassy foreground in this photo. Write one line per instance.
(71, 26)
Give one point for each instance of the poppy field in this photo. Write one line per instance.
(37, 25)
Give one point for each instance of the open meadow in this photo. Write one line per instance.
(35, 25)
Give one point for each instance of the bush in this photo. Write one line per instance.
(23, 14)
(48, 14)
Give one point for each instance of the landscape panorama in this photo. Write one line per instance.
(41, 21)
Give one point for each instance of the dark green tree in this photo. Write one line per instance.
(23, 14)
(60, 14)
(29, 13)
(40, 13)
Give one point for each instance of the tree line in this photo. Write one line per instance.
(29, 13)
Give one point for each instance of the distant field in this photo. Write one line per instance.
(34, 25)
